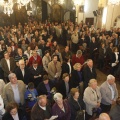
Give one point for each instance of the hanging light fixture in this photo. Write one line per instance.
(24, 3)
(113, 2)
(8, 7)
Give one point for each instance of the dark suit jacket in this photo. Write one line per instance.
(5, 66)
(114, 58)
(27, 76)
(21, 115)
(41, 89)
(65, 68)
(87, 75)
(62, 88)
(75, 78)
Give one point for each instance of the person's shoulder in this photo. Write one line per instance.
(21, 82)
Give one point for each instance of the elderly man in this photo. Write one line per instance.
(109, 93)
(41, 110)
(89, 72)
(8, 65)
(54, 69)
(104, 116)
(14, 90)
(35, 57)
(78, 58)
(23, 73)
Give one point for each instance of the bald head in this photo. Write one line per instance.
(104, 116)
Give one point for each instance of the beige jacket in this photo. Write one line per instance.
(51, 70)
(8, 95)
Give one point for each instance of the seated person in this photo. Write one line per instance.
(13, 112)
(45, 87)
(41, 110)
(61, 108)
(31, 95)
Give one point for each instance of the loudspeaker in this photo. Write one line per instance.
(95, 13)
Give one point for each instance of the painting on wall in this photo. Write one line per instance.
(57, 13)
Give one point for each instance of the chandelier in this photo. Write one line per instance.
(78, 2)
(8, 7)
(24, 3)
(113, 2)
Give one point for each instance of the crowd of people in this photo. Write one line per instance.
(48, 68)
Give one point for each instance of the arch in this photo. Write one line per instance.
(117, 21)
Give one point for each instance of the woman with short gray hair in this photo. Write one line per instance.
(61, 107)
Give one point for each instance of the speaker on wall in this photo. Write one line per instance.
(95, 13)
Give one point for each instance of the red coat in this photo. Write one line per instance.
(75, 59)
(39, 60)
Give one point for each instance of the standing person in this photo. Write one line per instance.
(14, 90)
(22, 72)
(78, 58)
(115, 61)
(35, 57)
(77, 77)
(75, 41)
(102, 55)
(109, 93)
(54, 69)
(7, 65)
(21, 56)
(46, 60)
(36, 73)
(13, 112)
(115, 111)
(76, 104)
(89, 72)
(66, 85)
(41, 110)
(92, 99)
(61, 108)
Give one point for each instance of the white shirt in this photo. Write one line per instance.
(112, 91)
(8, 63)
(23, 72)
(44, 108)
(15, 117)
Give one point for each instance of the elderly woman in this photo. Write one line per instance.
(77, 79)
(76, 104)
(92, 99)
(13, 112)
(61, 108)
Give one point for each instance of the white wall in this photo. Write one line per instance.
(90, 6)
(112, 14)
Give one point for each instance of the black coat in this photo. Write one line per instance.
(21, 114)
(41, 89)
(75, 107)
(75, 79)
(62, 88)
(27, 76)
(114, 58)
(65, 68)
(87, 75)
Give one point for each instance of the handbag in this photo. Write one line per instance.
(80, 115)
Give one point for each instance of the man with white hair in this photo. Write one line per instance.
(22, 72)
(109, 93)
